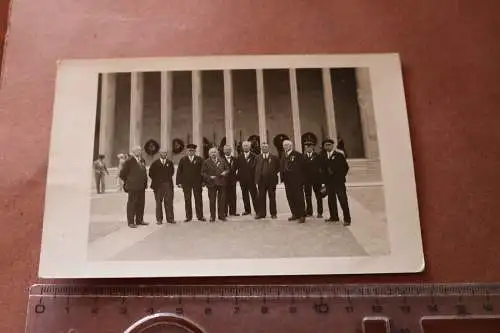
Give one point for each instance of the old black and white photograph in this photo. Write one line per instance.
(234, 165)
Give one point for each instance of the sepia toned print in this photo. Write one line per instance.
(194, 165)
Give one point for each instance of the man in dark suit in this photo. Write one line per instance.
(135, 181)
(292, 174)
(214, 172)
(189, 179)
(312, 177)
(267, 167)
(161, 172)
(230, 189)
(335, 169)
(246, 177)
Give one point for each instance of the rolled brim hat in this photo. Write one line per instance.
(328, 141)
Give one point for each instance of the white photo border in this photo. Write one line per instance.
(68, 191)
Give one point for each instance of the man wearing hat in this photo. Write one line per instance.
(335, 168)
(190, 180)
(161, 173)
(135, 181)
(312, 178)
(292, 174)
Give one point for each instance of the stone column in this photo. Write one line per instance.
(367, 114)
(261, 105)
(166, 112)
(229, 109)
(329, 107)
(197, 111)
(136, 109)
(107, 119)
(297, 136)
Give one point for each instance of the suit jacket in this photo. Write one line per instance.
(211, 168)
(292, 168)
(189, 173)
(313, 168)
(134, 175)
(335, 168)
(233, 169)
(246, 169)
(273, 169)
(160, 173)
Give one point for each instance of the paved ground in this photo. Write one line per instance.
(239, 237)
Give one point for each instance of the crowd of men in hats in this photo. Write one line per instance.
(322, 173)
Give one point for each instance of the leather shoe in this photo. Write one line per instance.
(171, 222)
(159, 222)
(292, 218)
(331, 220)
(132, 226)
(202, 219)
(142, 223)
(187, 220)
(274, 217)
(302, 220)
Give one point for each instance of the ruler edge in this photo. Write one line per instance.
(322, 290)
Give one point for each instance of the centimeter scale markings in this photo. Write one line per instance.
(271, 308)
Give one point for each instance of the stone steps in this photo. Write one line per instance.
(360, 171)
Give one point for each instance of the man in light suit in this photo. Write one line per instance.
(214, 172)
(135, 181)
(267, 167)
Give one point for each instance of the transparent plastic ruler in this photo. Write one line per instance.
(404, 308)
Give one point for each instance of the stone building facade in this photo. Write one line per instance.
(208, 106)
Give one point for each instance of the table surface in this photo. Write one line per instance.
(450, 53)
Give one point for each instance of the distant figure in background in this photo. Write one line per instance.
(214, 172)
(312, 177)
(135, 180)
(246, 177)
(292, 174)
(230, 182)
(122, 158)
(190, 180)
(161, 173)
(335, 169)
(267, 167)
(100, 172)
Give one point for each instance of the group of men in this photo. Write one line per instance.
(258, 176)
